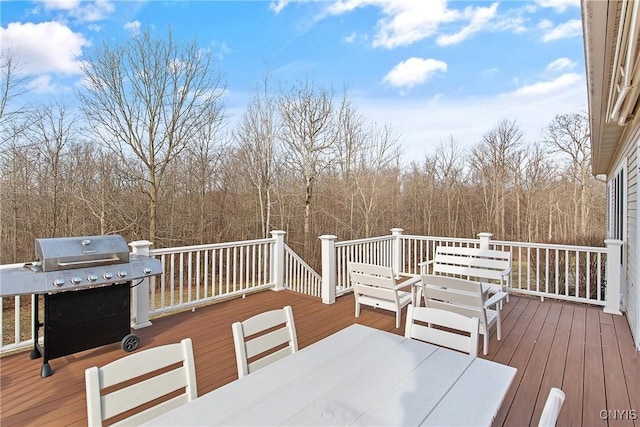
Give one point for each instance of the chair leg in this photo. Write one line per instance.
(398, 316)
(485, 350)
(499, 327)
(357, 308)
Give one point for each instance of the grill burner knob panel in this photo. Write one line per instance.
(122, 273)
(92, 277)
(58, 282)
(147, 271)
(108, 275)
(76, 280)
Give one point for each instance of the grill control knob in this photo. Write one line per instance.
(92, 277)
(58, 282)
(122, 273)
(146, 270)
(108, 275)
(76, 279)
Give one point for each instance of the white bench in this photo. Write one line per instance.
(490, 267)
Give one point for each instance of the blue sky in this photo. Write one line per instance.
(431, 69)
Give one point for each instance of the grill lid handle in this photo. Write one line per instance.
(91, 261)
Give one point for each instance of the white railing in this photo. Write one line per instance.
(572, 273)
(198, 275)
(299, 276)
(375, 250)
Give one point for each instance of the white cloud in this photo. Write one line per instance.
(549, 87)
(278, 5)
(545, 24)
(424, 123)
(82, 10)
(404, 21)
(558, 5)
(220, 49)
(45, 47)
(561, 64)
(133, 27)
(45, 85)
(571, 28)
(479, 18)
(413, 71)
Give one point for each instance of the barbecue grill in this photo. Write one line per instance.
(86, 285)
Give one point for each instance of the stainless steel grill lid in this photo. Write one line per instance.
(66, 253)
(74, 263)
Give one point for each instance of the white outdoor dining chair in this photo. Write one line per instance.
(467, 298)
(249, 341)
(375, 286)
(146, 364)
(552, 408)
(431, 317)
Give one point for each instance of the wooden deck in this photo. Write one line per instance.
(587, 353)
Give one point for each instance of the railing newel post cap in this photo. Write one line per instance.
(328, 237)
(613, 242)
(140, 243)
(278, 232)
(397, 230)
(485, 234)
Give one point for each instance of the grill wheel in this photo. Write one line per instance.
(130, 343)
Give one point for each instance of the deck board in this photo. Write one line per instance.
(586, 352)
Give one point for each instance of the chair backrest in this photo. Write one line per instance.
(552, 408)
(154, 382)
(371, 279)
(430, 317)
(455, 295)
(483, 264)
(250, 341)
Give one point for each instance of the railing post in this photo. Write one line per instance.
(484, 239)
(278, 259)
(140, 296)
(397, 250)
(328, 268)
(613, 275)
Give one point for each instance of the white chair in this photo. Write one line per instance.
(431, 317)
(136, 391)
(375, 286)
(467, 298)
(552, 408)
(247, 346)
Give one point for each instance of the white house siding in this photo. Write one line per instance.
(629, 155)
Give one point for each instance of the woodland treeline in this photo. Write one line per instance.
(148, 150)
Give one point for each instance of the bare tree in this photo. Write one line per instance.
(568, 135)
(257, 138)
(53, 129)
(13, 86)
(146, 100)
(376, 177)
(449, 168)
(308, 133)
(491, 163)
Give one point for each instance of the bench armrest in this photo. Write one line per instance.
(505, 272)
(424, 263)
(495, 299)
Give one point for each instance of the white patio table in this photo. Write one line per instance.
(357, 376)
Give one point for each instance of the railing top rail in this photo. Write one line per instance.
(367, 240)
(602, 249)
(436, 238)
(195, 248)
